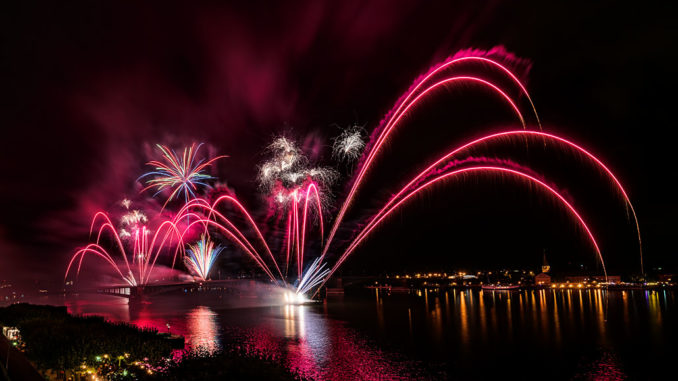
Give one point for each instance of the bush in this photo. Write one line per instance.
(56, 340)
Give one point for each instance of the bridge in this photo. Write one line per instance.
(229, 286)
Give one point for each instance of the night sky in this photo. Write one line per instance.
(87, 89)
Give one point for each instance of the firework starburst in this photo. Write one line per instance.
(179, 174)
(287, 170)
(348, 146)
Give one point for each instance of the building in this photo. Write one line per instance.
(576, 279)
(11, 333)
(611, 279)
(542, 279)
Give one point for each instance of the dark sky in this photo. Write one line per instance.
(88, 88)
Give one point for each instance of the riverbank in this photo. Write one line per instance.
(61, 345)
(55, 345)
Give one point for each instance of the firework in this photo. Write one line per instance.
(126, 203)
(292, 183)
(389, 209)
(207, 215)
(348, 146)
(133, 219)
(178, 174)
(201, 256)
(448, 158)
(287, 171)
(411, 98)
(138, 258)
(314, 276)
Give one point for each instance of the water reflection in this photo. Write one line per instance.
(202, 332)
(430, 334)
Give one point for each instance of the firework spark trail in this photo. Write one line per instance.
(558, 139)
(99, 251)
(537, 134)
(374, 222)
(289, 241)
(134, 218)
(297, 233)
(179, 174)
(253, 224)
(144, 253)
(393, 121)
(233, 230)
(234, 238)
(287, 170)
(313, 277)
(295, 207)
(302, 244)
(287, 177)
(201, 256)
(107, 224)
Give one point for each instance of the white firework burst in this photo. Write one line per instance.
(287, 169)
(349, 145)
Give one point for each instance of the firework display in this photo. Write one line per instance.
(201, 256)
(287, 171)
(349, 145)
(297, 191)
(178, 174)
(133, 262)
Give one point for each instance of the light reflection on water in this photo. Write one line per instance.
(565, 333)
(202, 329)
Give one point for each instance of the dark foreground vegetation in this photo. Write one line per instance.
(61, 345)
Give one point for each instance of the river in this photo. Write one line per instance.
(455, 334)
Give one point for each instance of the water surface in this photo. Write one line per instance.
(462, 334)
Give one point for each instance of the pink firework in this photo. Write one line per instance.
(133, 262)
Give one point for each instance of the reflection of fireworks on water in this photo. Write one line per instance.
(178, 173)
(349, 144)
(200, 257)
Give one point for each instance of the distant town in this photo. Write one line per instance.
(502, 278)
